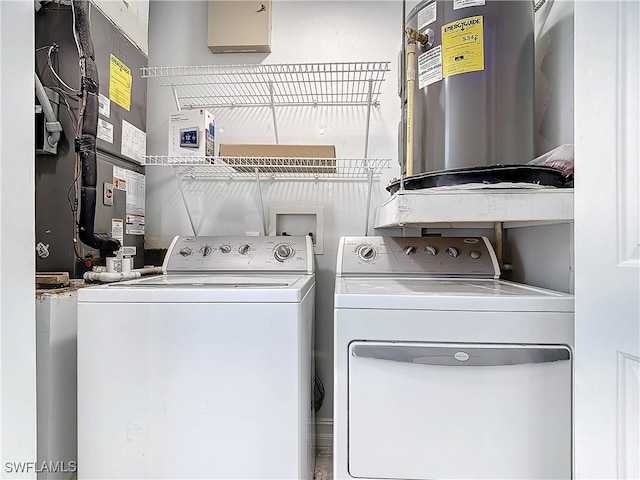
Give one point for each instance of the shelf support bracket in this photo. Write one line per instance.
(367, 210)
(498, 229)
(175, 97)
(184, 201)
(366, 135)
(273, 112)
(264, 219)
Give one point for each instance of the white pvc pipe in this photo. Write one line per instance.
(109, 277)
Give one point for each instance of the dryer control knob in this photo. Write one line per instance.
(283, 251)
(366, 252)
(475, 254)
(431, 250)
(225, 248)
(409, 250)
(244, 249)
(452, 252)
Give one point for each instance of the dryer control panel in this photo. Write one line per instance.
(472, 257)
(205, 254)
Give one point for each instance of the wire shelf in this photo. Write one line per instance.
(281, 167)
(304, 84)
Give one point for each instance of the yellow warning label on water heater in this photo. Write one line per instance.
(120, 83)
(462, 46)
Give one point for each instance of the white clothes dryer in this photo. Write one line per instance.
(444, 371)
(205, 371)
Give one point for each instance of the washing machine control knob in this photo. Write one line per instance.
(475, 254)
(452, 252)
(283, 251)
(366, 252)
(186, 251)
(409, 250)
(225, 248)
(206, 251)
(431, 250)
(244, 249)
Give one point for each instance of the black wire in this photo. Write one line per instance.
(73, 202)
(65, 93)
(54, 48)
(72, 116)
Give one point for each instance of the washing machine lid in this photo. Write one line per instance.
(454, 294)
(204, 288)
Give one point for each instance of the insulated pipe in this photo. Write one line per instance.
(413, 37)
(110, 277)
(86, 144)
(402, 69)
(411, 81)
(51, 122)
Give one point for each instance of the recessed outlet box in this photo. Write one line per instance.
(298, 221)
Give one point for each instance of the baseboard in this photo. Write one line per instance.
(324, 436)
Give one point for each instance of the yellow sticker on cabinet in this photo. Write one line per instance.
(120, 83)
(462, 46)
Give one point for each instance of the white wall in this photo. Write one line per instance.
(17, 294)
(554, 75)
(317, 31)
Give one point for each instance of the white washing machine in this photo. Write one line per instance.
(443, 371)
(205, 371)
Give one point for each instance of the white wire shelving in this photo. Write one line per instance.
(286, 168)
(336, 84)
(261, 168)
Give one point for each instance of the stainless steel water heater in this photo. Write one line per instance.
(472, 99)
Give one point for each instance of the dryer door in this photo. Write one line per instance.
(439, 410)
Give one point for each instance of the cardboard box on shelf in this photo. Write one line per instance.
(280, 158)
(191, 133)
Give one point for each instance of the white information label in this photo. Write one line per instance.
(117, 229)
(105, 130)
(430, 67)
(135, 203)
(458, 4)
(427, 15)
(135, 224)
(120, 178)
(104, 106)
(134, 142)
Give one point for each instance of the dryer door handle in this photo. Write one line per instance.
(463, 355)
